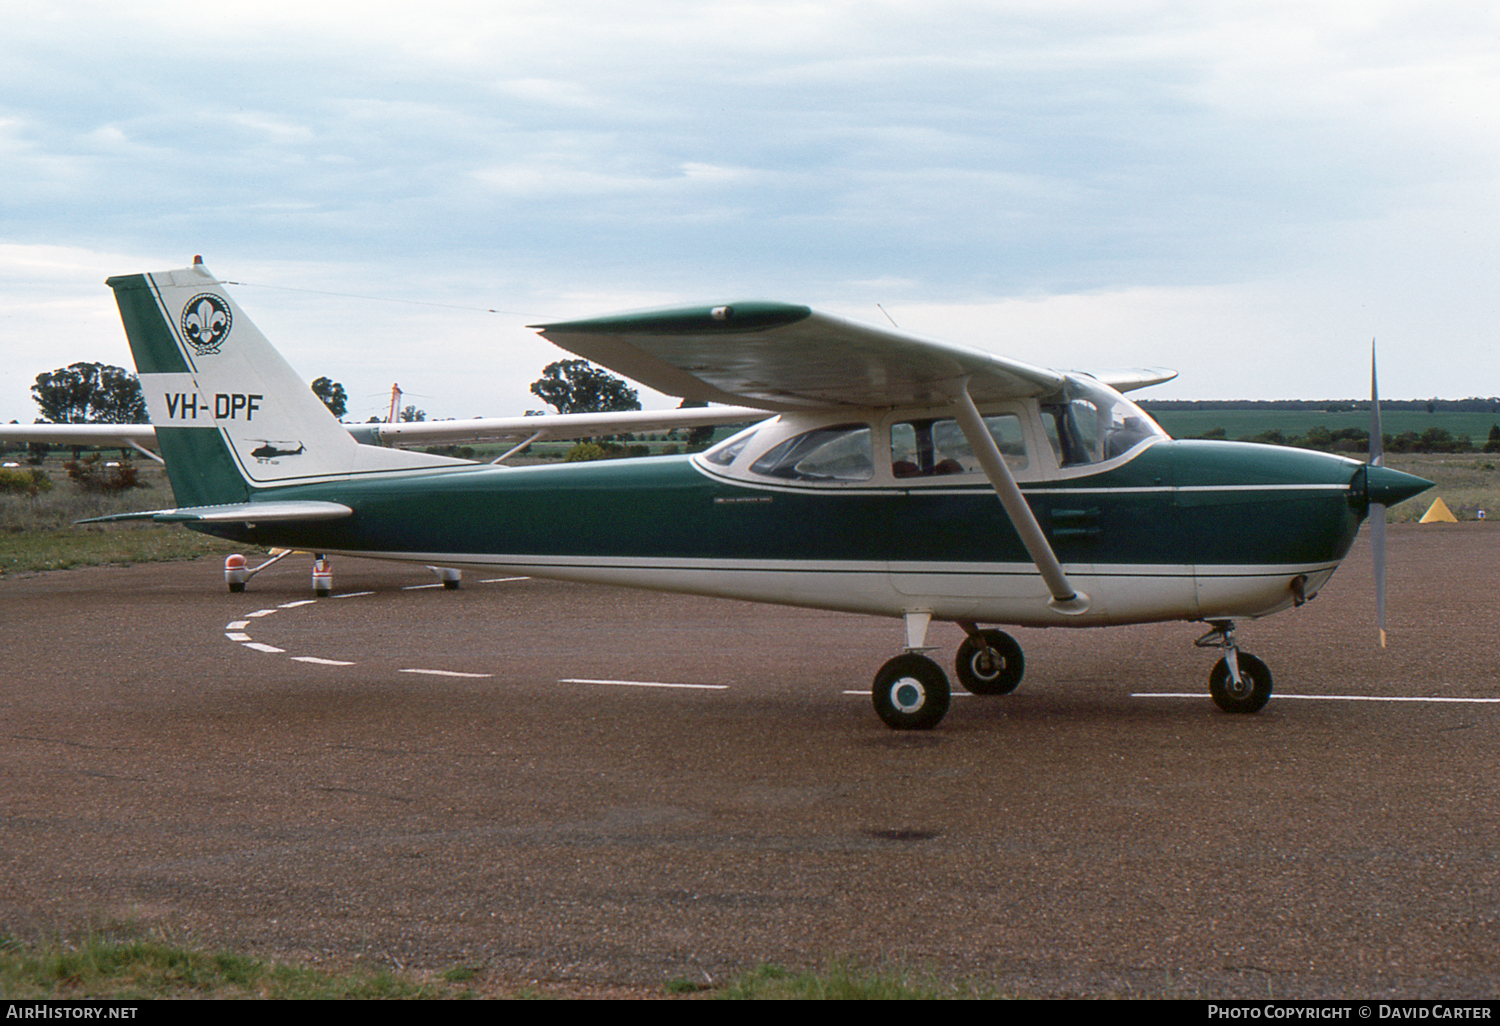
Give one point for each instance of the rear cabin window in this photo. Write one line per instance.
(937, 447)
(839, 453)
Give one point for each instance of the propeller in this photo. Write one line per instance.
(1377, 510)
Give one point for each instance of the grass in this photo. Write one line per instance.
(843, 982)
(40, 533)
(108, 965)
(125, 963)
(1467, 482)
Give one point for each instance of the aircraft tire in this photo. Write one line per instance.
(911, 693)
(236, 586)
(998, 675)
(1253, 697)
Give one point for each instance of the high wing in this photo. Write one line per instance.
(558, 426)
(782, 358)
(107, 435)
(785, 358)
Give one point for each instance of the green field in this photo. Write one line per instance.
(1247, 423)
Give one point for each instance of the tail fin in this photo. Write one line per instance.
(231, 417)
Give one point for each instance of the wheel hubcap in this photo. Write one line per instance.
(907, 695)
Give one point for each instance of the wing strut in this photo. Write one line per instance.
(1066, 599)
(144, 451)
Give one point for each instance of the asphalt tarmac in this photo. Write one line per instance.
(173, 759)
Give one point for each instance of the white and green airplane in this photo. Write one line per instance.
(868, 485)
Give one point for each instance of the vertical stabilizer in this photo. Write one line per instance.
(230, 415)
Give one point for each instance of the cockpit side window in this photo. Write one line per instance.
(1073, 430)
(841, 452)
(936, 447)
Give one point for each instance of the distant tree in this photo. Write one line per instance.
(702, 434)
(332, 394)
(410, 414)
(577, 386)
(90, 393)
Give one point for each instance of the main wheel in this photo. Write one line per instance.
(993, 672)
(911, 693)
(1254, 690)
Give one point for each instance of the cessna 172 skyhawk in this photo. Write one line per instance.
(871, 487)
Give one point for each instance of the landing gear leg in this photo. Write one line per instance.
(1239, 682)
(911, 691)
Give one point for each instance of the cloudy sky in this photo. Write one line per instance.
(1245, 191)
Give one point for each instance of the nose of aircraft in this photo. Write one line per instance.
(1388, 487)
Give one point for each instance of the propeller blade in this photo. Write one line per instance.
(1377, 542)
(1377, 511)
(1377, 443)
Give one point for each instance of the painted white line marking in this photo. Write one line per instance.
(644, 684)
(419, 587)
(1333, 698)
(294, 605)
(262, 648)
(447, 673)
(261, 612)
(502, 580)
(320, 662)
(236, 625)
(354, 594)
(236, 636)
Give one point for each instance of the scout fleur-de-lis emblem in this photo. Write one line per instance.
(205, 322)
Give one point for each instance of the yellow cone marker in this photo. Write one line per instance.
(1438, 513)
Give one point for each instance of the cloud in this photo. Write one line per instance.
(1230, 157)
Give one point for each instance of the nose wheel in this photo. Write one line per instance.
(1239, 682)
(989, 662)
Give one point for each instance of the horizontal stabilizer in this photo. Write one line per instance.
(236, 513)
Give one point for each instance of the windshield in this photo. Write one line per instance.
(1090, 423)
